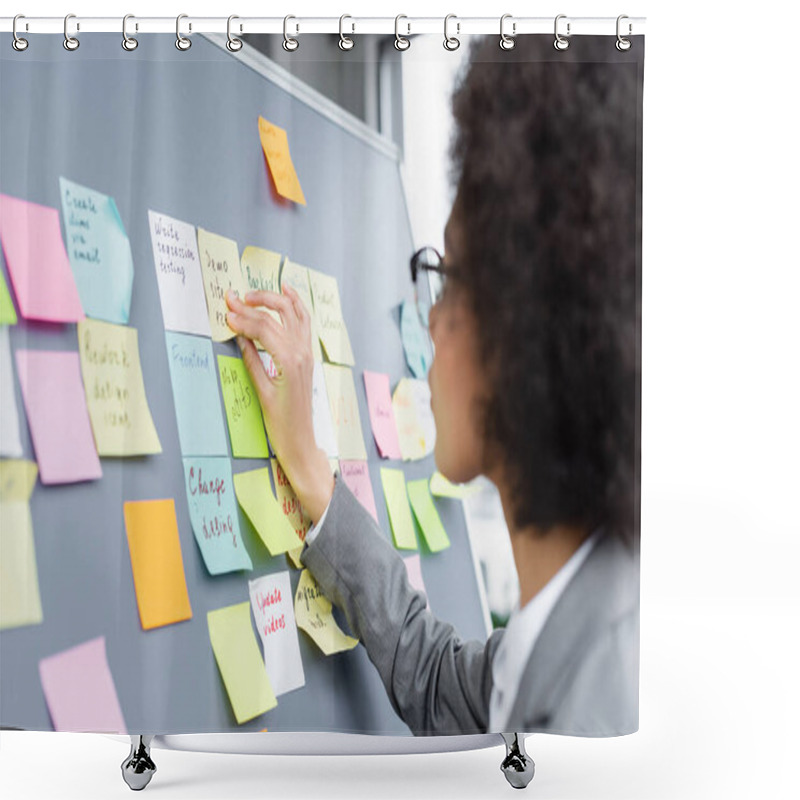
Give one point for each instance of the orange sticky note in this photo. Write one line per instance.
(157, 562)
(276, 149)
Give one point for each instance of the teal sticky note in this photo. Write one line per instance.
(214, 515)
(195, 389)
(416, 342)
(99, 252)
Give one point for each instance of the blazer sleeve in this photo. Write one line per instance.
(437, 683)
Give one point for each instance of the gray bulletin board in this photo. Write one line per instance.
(177, 132)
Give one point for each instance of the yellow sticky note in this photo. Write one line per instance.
(287, 499)
(314, 614)
(276, 148)
(441, 487)
(157, 562)
(330, 321)
(261, 271)
(114, 386)
(219, 260)
(394, 491)
(294, 555)
(413, 444)
(239, 661)
(254, 493)
(427, 516)
(296, 276)
(344, 412)
(20, 601)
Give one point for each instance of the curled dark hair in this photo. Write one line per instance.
(546, 159)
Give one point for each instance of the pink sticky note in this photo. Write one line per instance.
(80, 691)
(37, 261)
(56, 404)
(355, 474)
(414, 570)
(381, 414)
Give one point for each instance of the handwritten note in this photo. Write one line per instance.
(394, 492)
(416, 341)
(414, 572)
(8, 314)
(288, 501)
(330, 322)
(427, 516)
(441, 487)
(273, 611)
(219, 260)
(37, 261)
(324, 432)
(212, 510)
(79, 690)
(10, 441)
(415, 428)
(296, 276)
(242, 409)
(261, 270)
(344, 412)
(254, 493)
(240, 664)
(20, 601)
(276, 149)
(157, 562)
(381, 414)
(59, 422)
(314, 614)
(356, 475)
(112, 378)
(180, 278)
(99, 252)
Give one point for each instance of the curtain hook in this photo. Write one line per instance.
(233, 44)
(290, 44)
(129, 43)
(400, 42)
(181, 42)
(507, 42)
(18, 43)
(451, 42)
(561, 43)
(70, 42)
(345, 42)
(623, 44)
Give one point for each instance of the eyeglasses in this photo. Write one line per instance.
(430, 260)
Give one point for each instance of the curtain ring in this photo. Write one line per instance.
(345, 42)
(70, 42)
(181, 42)
(18, 43)
(129, 43)
(290, 44)
(507, 42)
(561, 43)
(233, 44)
(623, 44)
(400, 42)
(451, 42)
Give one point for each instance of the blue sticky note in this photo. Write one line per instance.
(416, 342)
(195, 387)
(99, 252)
(214, 515)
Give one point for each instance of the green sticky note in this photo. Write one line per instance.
(427, 515)
(239, 661)
(8, 316)
(394, 491)
(243, 409)
(254, 493)
(441, 487)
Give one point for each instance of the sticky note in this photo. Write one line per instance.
(79, 690)
(412, 413)
(427, 516)
(195, 390)
(314, 614)
(59, 422)
(8, 314)
(242, 409)
(287, 499)
(157, 562)
(344, 412)
(99, 252)
(324, 432)
(20, 600)
(115, 395)
(240, 664)
(394, 492)
(381, 414)
(441, 487)
(254, 493)
(276, 148)
(414, 572)
(261, 271)
(180, 278)
(37, 261)
(10, 440)
(416, 341)
(355, 474)
(273, 611)
(330, 321)
(219, 262)
(296, 276)
(212, 510)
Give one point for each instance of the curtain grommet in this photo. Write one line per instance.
(451, 43)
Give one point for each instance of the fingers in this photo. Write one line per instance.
(254, 324)
(275, 302)
(255, 366)
(297, 303)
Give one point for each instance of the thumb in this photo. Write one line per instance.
(258, 373)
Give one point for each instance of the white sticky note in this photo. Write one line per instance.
(324, 432)
(10, 442)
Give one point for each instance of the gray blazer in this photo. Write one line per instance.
(582, 677)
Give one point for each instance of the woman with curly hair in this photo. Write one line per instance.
(535, 383)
